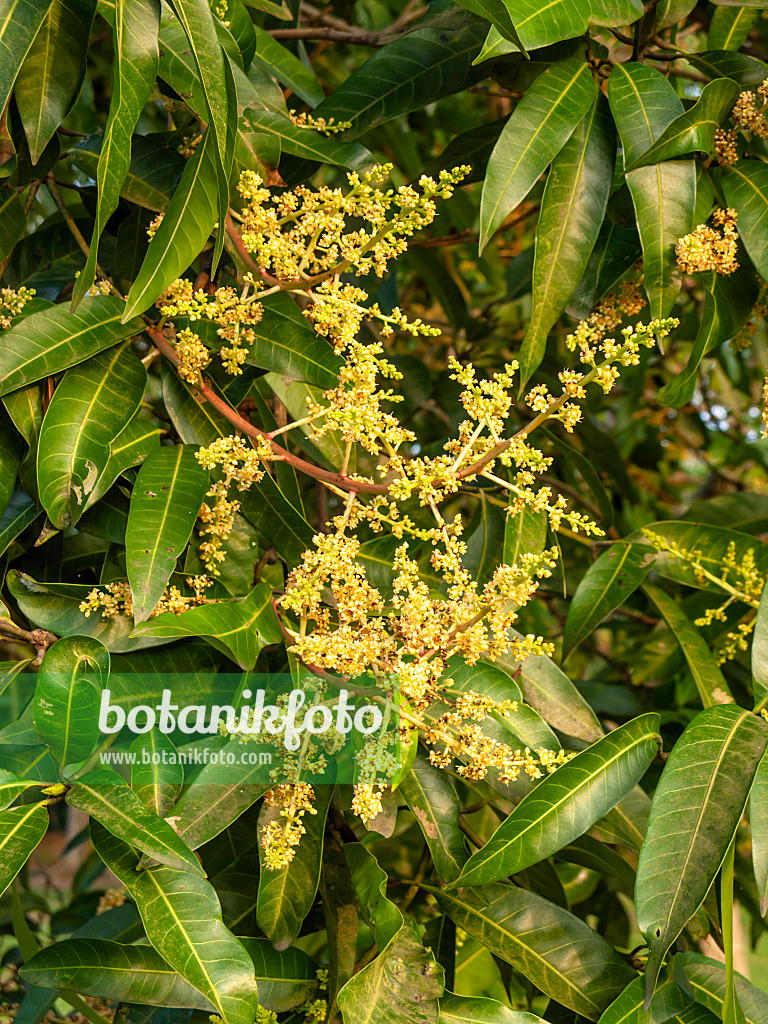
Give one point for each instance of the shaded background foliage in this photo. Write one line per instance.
(568, 890)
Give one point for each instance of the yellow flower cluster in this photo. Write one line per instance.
(12, 302)
(710, 248)
(282, 834)
(116, 599)
(750, 117)
(726, 140)
(318, 124)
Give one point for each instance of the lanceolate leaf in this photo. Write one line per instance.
(54, 339)
(274, 58)
(53, 70)
(542, 24)
(156, 774)
(434, 802)
(524, 533)
(730, 26)
(760, 654)
(21, 829)
(710, 681)
(695, 129)
(728, 303)
(166, 500)
(108, 799)
(109, 970)
(628, 1008)
(478, 1010)
(285, 978)
(557, 951)
(239, 629)
(572, 211)
(422, 67)
(191, 215)
(707, 981)
(286, 894)
(67, 697)
(539, 127)
(698, 804)
(19, 23)
(133, 444)
(153, 173)
(497, 12)
(136, 50)
(564, 805)
(182, 918)
(605, 586)
(745, 186)
(89, 408)
(758, 819)
(644, 104)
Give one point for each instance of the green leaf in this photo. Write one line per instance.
(547, 689)
(68, 695)
(420, 68)
(109, 970)
(694, 130)
(605, 586)
(644, 104)
(745, 187)
(20, 513)
(306, 142)
(182, 919)
(477, 1010)
(53, 70)
(728, 304)
(135, 31)
(698, 803)
(760, 654)
(710, 681)
(153, 173)
(498, 13)
(138, 439)
(567, 803)
(21, 829)
(156, 774)
(572, 211)
(524, 533)
(191, 215)
(628, 1007)
(274, 58)
(370, 883)
(11, 787)
(12, 217)
(55, 339)
(758, 819)
(20, 21)
(239, 628)
(556, 951)
(286, 894)
(432, 799)
(165, 503)
(707, 981)
(543, 24)
(286, 978)
(11, 453)
(89, 408)
(111, 801)
(538, 129)
(747, 71)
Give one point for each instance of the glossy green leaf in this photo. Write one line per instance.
(694, 130)
(524, 533)
(286, 978)
(156, 774)
(12, 218)
(758, 819)
(628, 1007)
(214, 802)
(239, 628)
(68, 695)
(547, 689)
(110, 800)
(286, 894)
(191, 215)
(760, 654)
(153, 173)
(616, 251)
(710, 681)
(420, 68)
(89, 408)
(729, 27)
(541, 25)
(138, 439)
(182, 918)
(605, 586)
(20, 513)
(165, 503)
(728, 303)
(135, 31)
(478, 1010)
(500, 16)
(55, 339)
(564, 805)
(706, 978)
(746, 70)
(11, 453)
(109, 970)
(538, 129)
(11, 787)
(21, 829)
(20, 21)
(745, 186)
(274, 58)
(644, 104)
(559, 953)
(698, 803)
(434, 802)
(572, 212)
(53, 70)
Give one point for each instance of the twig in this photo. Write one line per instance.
(40, 639)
